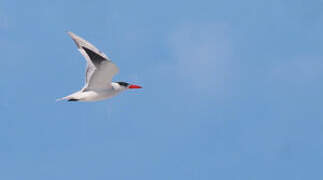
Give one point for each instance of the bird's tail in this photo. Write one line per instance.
(72, 97)
(62, 99)
(67, 98)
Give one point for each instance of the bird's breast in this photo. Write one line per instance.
(97, 95)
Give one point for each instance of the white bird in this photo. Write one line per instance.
(99, 73)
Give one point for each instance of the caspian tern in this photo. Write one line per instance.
(99, 73)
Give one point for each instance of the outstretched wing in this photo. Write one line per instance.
(100, 69)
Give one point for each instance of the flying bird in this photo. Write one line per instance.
(99, 73)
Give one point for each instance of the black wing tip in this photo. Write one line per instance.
(73, 100)
(94, 56)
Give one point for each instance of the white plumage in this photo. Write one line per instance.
(99, 73)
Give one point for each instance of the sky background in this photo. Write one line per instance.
(232, 90)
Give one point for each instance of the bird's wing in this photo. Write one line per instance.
(100, 69)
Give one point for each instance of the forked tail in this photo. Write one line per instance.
(67, 98)
(72, 97)
(62, 99)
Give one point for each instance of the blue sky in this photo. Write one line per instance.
(232, 90)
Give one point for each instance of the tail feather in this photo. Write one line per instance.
(67, 98)
(72, 97)
(62, 99)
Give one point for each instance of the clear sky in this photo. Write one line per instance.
(232, 90)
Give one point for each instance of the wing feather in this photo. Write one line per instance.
(100, 69)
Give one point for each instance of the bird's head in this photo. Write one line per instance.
(128, 86)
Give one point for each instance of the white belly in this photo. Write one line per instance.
(96, 95)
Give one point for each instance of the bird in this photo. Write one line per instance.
(98, 75)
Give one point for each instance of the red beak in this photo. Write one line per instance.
(133, 86)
